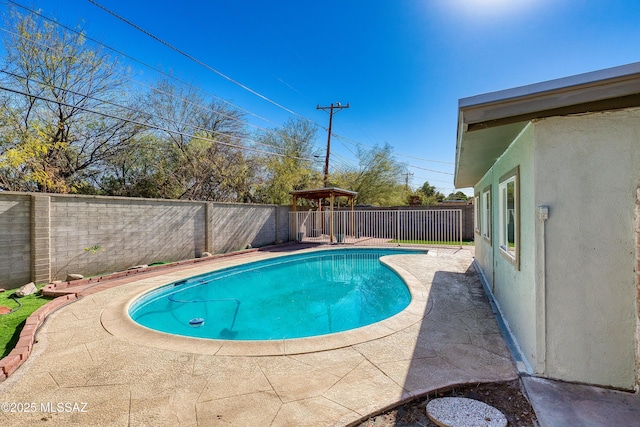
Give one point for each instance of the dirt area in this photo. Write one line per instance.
(506, 397)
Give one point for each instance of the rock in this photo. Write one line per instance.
(205, 254)
(135, 267)
(73, 276)
(278, 242)
(2, 290)
(249, 246)
(28, 289)
(463, 412)
(4, 310)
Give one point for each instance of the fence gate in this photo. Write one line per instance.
(380, 227)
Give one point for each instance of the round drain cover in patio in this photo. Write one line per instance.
(463, 412)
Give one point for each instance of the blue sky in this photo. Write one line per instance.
(402, 65)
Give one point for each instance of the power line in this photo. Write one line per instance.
(197, 89)
(434, 180)
(147, 125)
(340, 165)
(34, 12)
(155, 89)
(149, 115)
(211, 69)
(430, 170)
(354, 142)
(343, 160)
(197, 61)
(347, 148)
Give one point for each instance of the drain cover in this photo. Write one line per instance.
(463, 412)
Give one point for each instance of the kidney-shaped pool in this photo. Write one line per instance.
(293, 296)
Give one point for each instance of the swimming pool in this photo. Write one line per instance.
(294, 296)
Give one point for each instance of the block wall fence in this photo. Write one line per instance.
(44, 236)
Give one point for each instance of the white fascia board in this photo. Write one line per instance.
(581, 88)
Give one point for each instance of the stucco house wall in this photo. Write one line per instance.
(513, 286)
(587, 169)
(571, 305)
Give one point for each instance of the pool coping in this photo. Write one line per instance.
(116, 320)
(126, 382)
(65, 293)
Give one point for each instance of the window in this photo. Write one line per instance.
(476, 214)
(509, 218)
(486, 213)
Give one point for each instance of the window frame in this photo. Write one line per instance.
(504, 243)
(476, 214)
(486, 214)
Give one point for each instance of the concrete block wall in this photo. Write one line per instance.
(234, 226)
(282, 223)
(15, 240)
(45, 236)
(129, 232)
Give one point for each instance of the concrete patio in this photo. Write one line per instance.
(87, 354)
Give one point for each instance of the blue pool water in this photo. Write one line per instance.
(289, 297)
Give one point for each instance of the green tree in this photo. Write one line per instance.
(459, 195)
(288, 167)
(429, 195)
(427, 189)
(378, 180)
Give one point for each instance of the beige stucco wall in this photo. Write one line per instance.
(587, 170)
(514, 289)
(572, 306)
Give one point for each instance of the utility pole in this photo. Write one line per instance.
(406, 180)
(332, 107)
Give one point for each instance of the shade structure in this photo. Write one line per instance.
(323, 193)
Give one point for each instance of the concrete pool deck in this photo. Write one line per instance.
(126, 378)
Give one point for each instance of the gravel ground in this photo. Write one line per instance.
(507, 397)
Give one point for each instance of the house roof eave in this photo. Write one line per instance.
(488, 123)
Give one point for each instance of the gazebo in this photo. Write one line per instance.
(319, 194)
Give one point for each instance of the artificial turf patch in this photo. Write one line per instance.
(11, 324)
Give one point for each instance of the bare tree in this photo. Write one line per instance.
(64, 111)
(203, 142)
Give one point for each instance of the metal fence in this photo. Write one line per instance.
(379, 227)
